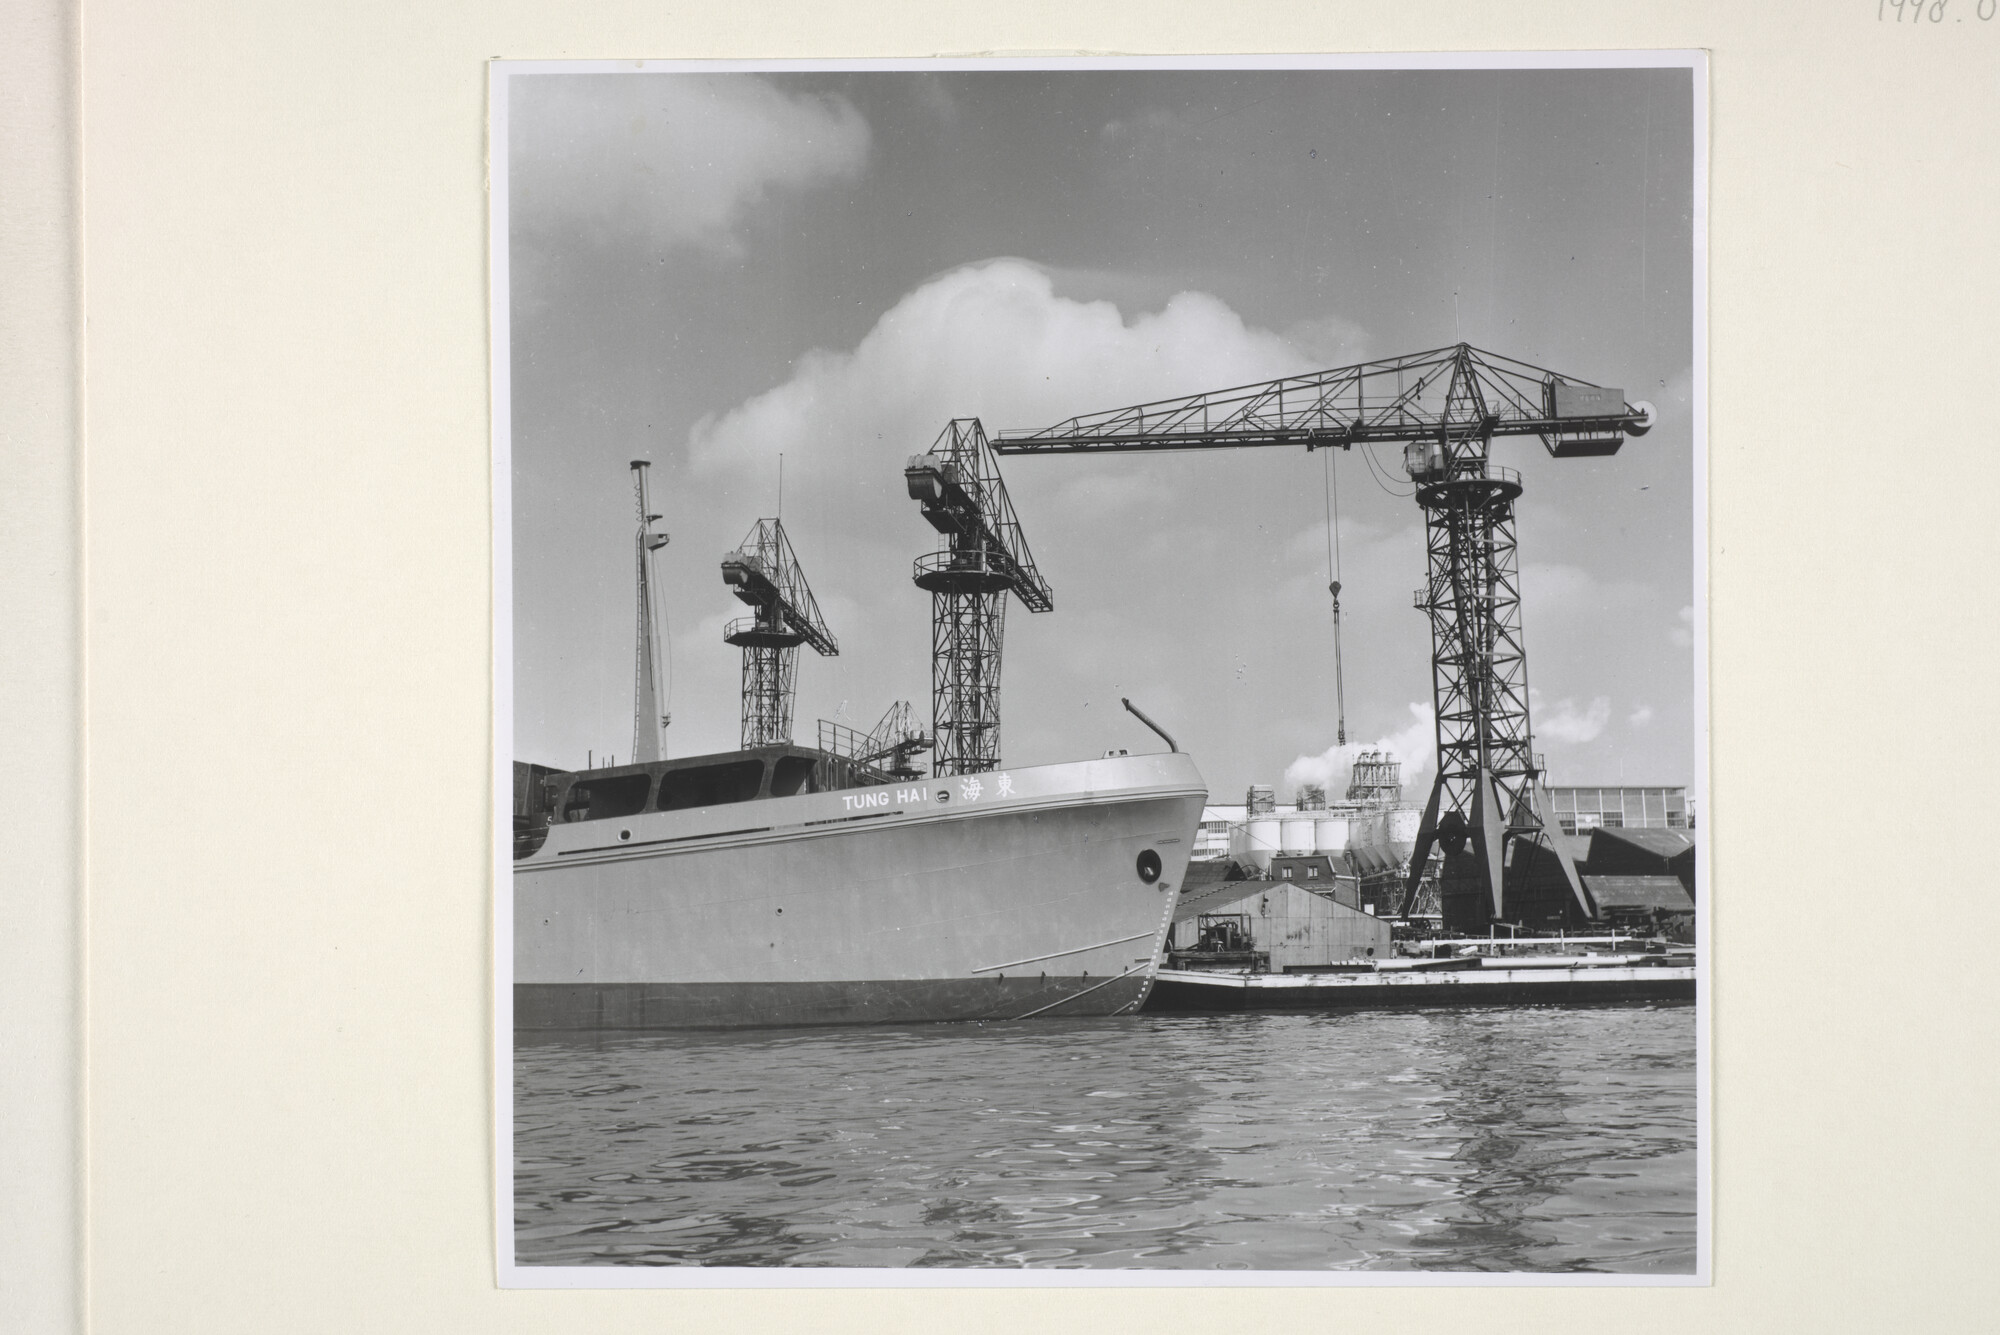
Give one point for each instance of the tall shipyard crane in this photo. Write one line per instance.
(764, 573)
(985, 558)
(1445, 408)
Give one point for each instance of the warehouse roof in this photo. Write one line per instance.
(1661, 843)
(1639, 892)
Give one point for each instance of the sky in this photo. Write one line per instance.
(712, 271)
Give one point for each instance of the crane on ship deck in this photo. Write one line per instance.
(1445, 407)
(890, 747)
(765, 573)
(893, 744)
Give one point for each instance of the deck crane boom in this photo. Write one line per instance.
(1445, 408)
(957, 481)
(896, 740)
(890, 748)
(764, 573)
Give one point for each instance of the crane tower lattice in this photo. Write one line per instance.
(985, 558)
(764, 573)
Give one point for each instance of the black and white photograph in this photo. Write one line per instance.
(1101, 671)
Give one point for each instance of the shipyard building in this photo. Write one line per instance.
(1302, 885)
(1313, 881)
(1581, 810)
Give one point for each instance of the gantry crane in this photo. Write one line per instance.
(764, 573)
(650, 713)
(1445, 408)
(985, 558)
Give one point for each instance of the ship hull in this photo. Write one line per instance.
(1019, 894)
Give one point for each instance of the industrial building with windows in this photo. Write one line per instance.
(1211, 840)
(1581, 810)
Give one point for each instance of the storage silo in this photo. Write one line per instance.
(1295, 833)
(1330, 834)
(1400, 834)
(1363, 853)
(1261, 838)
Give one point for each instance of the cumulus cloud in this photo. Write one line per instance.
(991, 340)
(1329, 341)
(1640, 717)
(1682, 635)
(1415, 746)
(997, 340)
(1566, 721)
(679, 158)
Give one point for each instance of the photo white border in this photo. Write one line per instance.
(514, 1276)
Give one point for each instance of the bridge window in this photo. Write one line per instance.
(710, 785)
(599, 799)
(793, 775)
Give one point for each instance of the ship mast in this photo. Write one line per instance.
(650, 715)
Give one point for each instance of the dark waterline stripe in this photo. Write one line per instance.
(651, 843)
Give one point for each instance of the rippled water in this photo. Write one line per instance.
(1509, 1139)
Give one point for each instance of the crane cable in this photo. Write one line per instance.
(1378, 471)
(1332, 491)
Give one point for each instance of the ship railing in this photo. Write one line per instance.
(840, 740)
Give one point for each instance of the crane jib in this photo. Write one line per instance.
(1401, 433)
(1456, 391)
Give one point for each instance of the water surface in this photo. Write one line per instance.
(1527, 1139)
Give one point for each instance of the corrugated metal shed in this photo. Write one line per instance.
(1663, 894)
(1201, 899)
(1296, 926)
(1646, 852)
